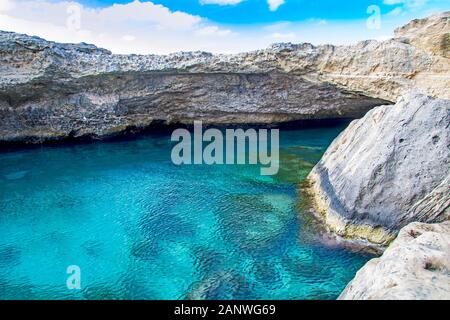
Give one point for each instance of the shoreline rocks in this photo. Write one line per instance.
(416, 266)
(388, 169)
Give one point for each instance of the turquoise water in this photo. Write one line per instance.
(140, 227)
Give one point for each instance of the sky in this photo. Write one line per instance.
(218, 26)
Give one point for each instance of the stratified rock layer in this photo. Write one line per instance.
(388, 169)
(416, 266)
(53, 91)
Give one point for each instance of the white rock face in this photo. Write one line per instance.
(388, 169)
(416, 266)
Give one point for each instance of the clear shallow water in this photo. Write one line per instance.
(140, 227)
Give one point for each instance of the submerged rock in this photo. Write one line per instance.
(255, 222)
(51, 91)
(415, 266)
(388, 169)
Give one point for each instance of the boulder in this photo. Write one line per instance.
(388, 169)
(415, 267)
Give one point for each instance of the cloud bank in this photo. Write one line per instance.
(144, 27)
(221, 2)
(274, 4)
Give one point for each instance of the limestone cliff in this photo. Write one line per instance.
(54, 91)
(415, 267)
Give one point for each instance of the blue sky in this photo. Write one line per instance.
(257, 11)
(225, 26)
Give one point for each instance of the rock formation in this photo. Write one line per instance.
(431, 34)
(53, 91)
(392, 168)
(388, 169)
(415, 267)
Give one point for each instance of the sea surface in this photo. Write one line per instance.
(140, 227)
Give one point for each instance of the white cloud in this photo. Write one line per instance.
(144, 28)
(129, 38)
(283, 36)
(6, 5)
(214, 31)
(144, 12)
(320, 22)
(395, 12)
(412, 4)
(274, 4)
(221, 2)
(136, 27)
